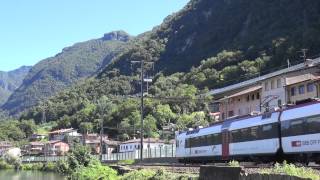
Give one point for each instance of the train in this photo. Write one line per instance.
(291, 134)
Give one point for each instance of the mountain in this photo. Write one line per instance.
(10, 81)
(54, 74)
(278, 29)
(208, 44)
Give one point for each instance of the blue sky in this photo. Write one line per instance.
(31, 30)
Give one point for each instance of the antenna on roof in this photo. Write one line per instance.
(288, 62)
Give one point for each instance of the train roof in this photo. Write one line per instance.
(240, 118)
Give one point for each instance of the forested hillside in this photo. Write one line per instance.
(10, 81)
(206, 45)
(74, 63)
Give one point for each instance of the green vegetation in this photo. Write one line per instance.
(234, 163)
(292, 170)
(10, 81)
(156, 175)
(16, 131)
(56, 73)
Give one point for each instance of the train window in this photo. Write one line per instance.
(217, 139)
(296, 127)
(254, 133)
(203, 141)
(187, 143)
(236, 136)
(210, 139)
(267, 127)
(313, 124)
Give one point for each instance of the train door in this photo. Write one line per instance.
(225, 144)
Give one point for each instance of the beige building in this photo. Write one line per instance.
(292, 85)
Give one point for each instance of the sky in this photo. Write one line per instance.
(32, 30)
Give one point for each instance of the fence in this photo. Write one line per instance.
(162, 152)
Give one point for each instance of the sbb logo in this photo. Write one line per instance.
(296, 143)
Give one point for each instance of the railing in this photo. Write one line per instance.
(162, 152)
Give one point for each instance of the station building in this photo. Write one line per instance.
(289, 86)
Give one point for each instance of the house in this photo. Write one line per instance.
(64, 134)
(111, 146)
(35, 148)
(292, 85)
(56, 148)
(37, 137)
(93, 141)
(134, 144)
(4, 146)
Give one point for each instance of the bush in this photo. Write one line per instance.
(141, 175)
(94, 171)
(32, 166)
(5, 165)
(234, 163)
(292, 170)
(62, 167)
(155, 175)
(49, 166)
(128, 161)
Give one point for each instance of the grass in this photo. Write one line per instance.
(292, 170)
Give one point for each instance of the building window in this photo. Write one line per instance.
(231, 113)
(301, 89)
(266, 86)
(278, 83)
(310, 87)
(293, 91)
(252, 97)
(258, 95)
(272, 84)
(279, 103)
(248, 98)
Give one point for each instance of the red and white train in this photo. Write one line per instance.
(292, 134)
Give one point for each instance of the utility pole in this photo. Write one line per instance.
(304, 55)
(141, 128)
(142, 63)
(101, 140)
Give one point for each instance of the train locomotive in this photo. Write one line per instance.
(291, 134)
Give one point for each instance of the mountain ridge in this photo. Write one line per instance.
(56, 73)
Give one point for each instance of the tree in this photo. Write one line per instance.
(86, 127)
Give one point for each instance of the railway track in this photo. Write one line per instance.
(195, 168)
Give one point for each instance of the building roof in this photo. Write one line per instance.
(37, 143)
(60, 131)
(146, 140)
(5, 144)
(302, 78)
(264, 77)
(246, 91)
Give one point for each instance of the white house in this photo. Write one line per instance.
(134, 144)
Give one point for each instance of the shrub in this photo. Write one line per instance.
(292, 170)
(49, 166)
(234, 163)
(32, 166)
(155, 175)
(128, 161)
(94, 171)
(62, 167)
(5, 165)
(141, 175)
